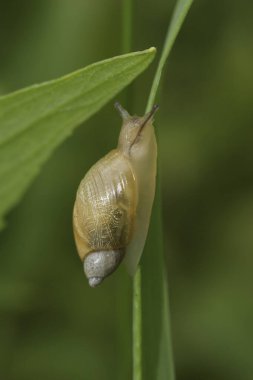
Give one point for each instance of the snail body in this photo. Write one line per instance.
(114, 201)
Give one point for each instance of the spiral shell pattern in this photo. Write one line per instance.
(105, 206)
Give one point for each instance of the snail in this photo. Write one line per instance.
(114, 201)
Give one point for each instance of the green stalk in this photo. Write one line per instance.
(127, 33)
(137, 326)
(165, 352)
(181, 9)
(165, 371)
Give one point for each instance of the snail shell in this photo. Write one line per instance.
(114, 201)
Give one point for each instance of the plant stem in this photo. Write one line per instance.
(137, 326)
(179, 14)
(165, 369)
(127, 32)
(181, 9)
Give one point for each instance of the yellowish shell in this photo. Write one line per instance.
(114, 201)
(105, 207)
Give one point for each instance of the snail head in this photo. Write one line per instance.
(133, 128)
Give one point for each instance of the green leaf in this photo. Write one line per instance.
(157, 358)
(35, 120)
(180, 12)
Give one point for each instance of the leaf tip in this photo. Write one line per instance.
(151, 50)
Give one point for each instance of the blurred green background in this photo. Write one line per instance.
(52, 326)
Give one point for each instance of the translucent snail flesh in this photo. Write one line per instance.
(114, 201)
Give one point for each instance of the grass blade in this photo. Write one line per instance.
(180, 12)
(137, 327)
(156, 336)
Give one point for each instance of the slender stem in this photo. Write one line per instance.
(179, 14)
(181, 9)
(127, 32)
(137, 326)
